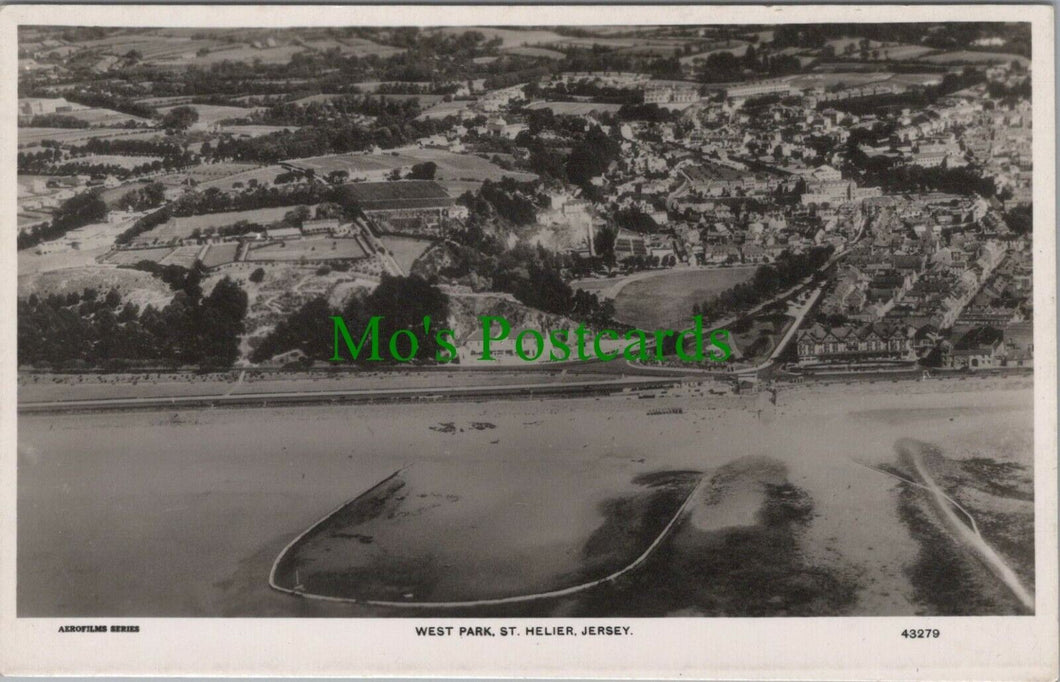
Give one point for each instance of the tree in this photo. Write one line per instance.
(257, 276)
(180, 118)
(423, 171)
(604, 243)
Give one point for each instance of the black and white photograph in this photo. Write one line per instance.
(576, 324)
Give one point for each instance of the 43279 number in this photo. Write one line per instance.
(922, 633)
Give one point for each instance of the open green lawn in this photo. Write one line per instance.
(665, 301)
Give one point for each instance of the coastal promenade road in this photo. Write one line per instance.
(369, 395)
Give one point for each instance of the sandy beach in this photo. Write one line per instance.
(183, 513)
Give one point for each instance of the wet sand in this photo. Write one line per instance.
(183, 514)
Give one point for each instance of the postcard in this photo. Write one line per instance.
(554, 341)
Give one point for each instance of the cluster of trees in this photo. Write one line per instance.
(158, 146)
(512, 201)
(402, 302)
(77, 211)
(50, 154)
(106, 100)
(651, 113)
(634, 219)
(965, 180)
(423, 171)
(178, 277)
(180, 118)
(143, 198)
(329, 137)
(101, 331)
(768, 280)
(57, 121)
(533, 275)
(339, 107)
(719, 67)
(590, 157)
(96, 170)
(1010, 94)
(575, 91)
(417, 88)
(1020, 219)
(52, 161)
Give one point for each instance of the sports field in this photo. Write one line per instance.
(666, 300)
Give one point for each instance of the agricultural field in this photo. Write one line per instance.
(509, 37)
(126, 162)
(133, 256)
(424, 100)
(574, 108)
(97, 116)
(738, 48)
(903, 52)
(451, 166)
(916, 79)
(849, 79)
(28, 218)
(406, 250)
(153, 48)
(319, 98)
(165, 101)
(254, 130)
(444, 109)
(663, 46)
(311, 249)
(973, 57)
(28, 137)
(535, 52)
(360, 47)
(181, 227)
(213, 171)
(209, 114)
(246, 53)
(219, 254)
(264, 175)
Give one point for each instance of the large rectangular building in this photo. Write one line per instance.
(402, 198)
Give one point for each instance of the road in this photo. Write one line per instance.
(355, 395)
